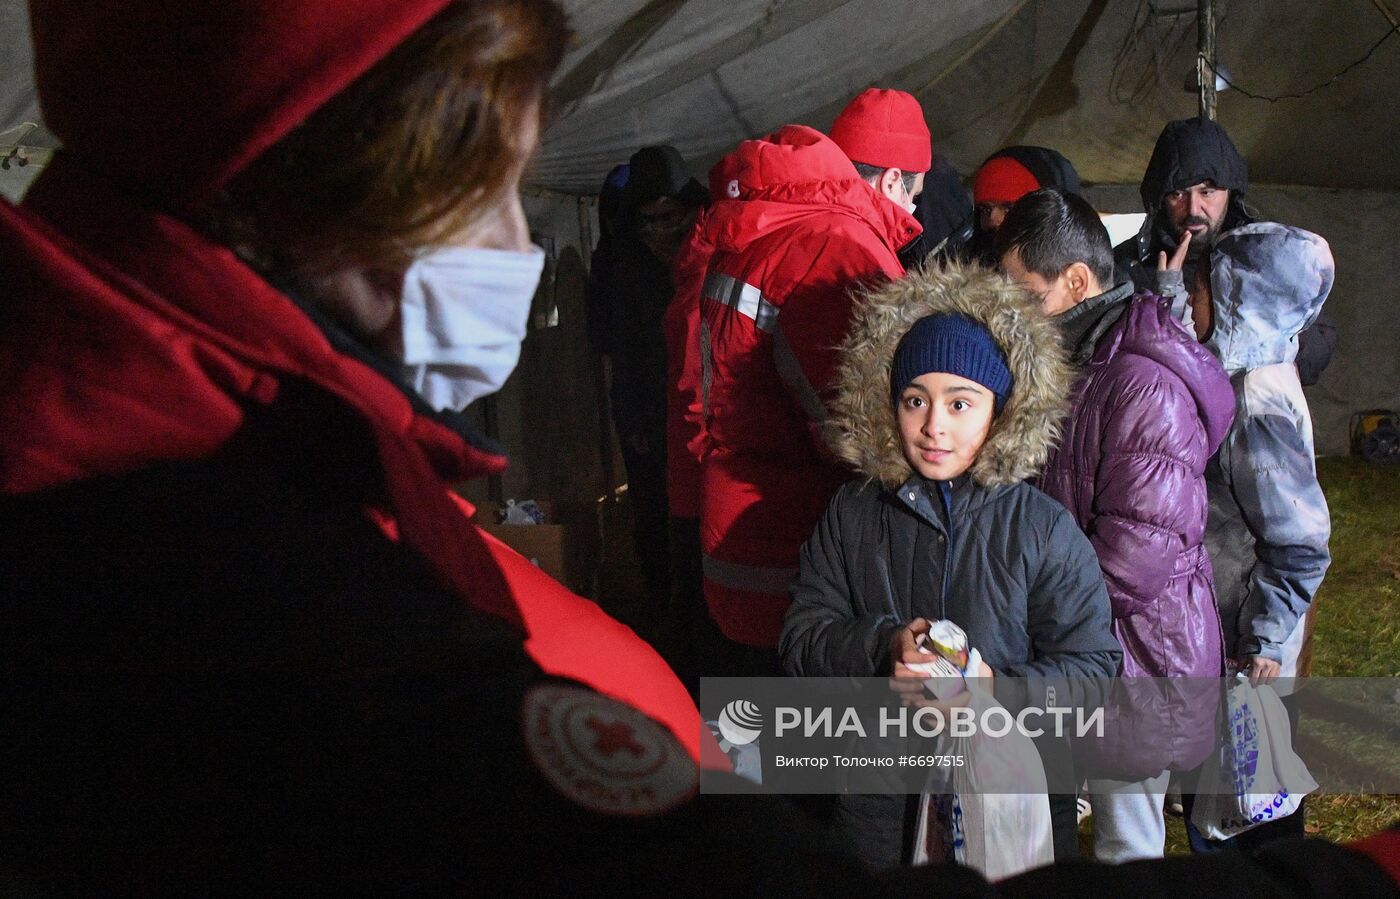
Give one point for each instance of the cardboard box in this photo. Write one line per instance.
(560, 548)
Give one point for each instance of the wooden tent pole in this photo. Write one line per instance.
(1205, 57)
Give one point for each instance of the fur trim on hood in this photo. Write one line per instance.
(863, 430)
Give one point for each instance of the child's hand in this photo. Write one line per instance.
(908, 683)
(904, 650)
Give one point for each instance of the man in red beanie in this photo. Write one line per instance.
(884, 134)
(1005, 177)
(796, 229)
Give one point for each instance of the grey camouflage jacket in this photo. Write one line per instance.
(1269, 524)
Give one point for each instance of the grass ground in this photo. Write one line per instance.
(1356, 632)
(1357, 629)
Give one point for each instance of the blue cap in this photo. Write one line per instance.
(617, 177)
(954, 344)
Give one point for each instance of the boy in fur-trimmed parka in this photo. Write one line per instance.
(951, 389)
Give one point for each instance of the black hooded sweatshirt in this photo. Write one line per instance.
(944, 208)
(1190, 151)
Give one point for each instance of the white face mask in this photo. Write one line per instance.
(464, 314)
(900, 197)
(913, 204)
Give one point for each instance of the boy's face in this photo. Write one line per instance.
(1070, 287)
(943, 422)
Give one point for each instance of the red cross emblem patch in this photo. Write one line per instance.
(604, 755)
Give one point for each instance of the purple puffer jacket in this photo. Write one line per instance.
(1149, 409)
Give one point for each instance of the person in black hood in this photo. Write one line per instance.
(944, 208)
(599, 310)
(628, 290)
(1005, 177)
(1193, 191)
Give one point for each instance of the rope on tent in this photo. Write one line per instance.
(973, 50)
(1317, 87)
(1128, 87)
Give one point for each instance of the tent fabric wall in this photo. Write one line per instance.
(704, 74)
(1093, 78)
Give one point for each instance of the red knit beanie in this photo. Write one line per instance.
(1002, 179)
(884, 128)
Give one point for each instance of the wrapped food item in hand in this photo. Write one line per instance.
(945, 644)
(937, 666)
(948, 640)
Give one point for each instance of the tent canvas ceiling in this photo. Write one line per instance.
(1095, 79)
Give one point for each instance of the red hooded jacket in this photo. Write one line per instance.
(685, 419)
(133, 342)
(797, 232)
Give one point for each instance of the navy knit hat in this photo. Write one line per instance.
(954, 344)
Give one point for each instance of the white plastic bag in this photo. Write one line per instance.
(1246, 782)
(745, 758)
(527, 512)
(999, 833)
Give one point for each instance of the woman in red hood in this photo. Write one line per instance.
(282, 247)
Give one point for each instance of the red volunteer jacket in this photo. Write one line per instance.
(133, 341)
(685, 418)
(796, 233)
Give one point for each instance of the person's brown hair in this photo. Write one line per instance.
(408, 155)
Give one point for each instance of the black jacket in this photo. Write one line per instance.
(944, 208)
(626, 295)
(1007, 563)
